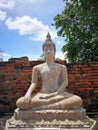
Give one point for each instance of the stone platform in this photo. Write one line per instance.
(51, 120)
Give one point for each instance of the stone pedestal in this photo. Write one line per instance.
(51, 120)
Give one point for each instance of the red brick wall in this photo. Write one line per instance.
(83, 81)
(15, 78)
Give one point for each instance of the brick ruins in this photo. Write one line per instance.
(15, 78)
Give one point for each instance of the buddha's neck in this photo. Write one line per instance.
(50, 61)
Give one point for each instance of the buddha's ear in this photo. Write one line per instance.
(54, 53)
(43, 53)
(54, 57)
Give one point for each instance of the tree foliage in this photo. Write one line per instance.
(78, 23)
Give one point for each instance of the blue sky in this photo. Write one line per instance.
(24, 25)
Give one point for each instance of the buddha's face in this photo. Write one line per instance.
(49, 52)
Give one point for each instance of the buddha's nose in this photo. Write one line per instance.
(48, 51)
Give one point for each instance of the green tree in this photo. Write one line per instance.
(78, 24)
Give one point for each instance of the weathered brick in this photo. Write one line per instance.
(15, 78)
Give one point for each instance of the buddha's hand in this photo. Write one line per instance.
(27, 99)
(52, 95)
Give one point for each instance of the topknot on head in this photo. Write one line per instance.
(49, 41)
(48, 37)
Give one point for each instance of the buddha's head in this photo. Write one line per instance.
(49, 48)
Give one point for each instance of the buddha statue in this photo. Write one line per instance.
(52, 94)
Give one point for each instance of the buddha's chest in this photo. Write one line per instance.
(50, 72)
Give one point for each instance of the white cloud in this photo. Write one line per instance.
(28, 25)
(59, 55)
(5, 56)
(2, 15)
(59, 42)
(4, 4)
(31, 1)
(32, 57)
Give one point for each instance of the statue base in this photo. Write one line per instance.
(51, 120)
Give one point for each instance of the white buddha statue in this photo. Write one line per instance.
(52, 94)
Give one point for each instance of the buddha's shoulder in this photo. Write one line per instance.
(37, 67)
(60, 65)
(41, 66)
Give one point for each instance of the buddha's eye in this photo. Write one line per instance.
(48, 47)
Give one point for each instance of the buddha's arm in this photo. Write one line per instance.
(64, 80)
(30, 90)
(34, 82)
